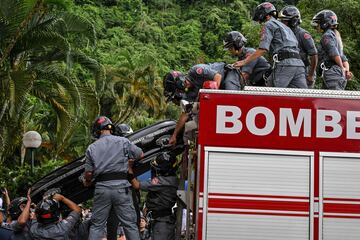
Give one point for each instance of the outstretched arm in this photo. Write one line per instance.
(258, 53)
(70, 204)
(25, 215)
(179, 125)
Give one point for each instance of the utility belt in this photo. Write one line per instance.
(161, 213)
(286, 55)
(111, 176)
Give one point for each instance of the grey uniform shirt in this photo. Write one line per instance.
(306, 44)
(255, 68)
(200, 73)
(277, 37)
(56, 231)
(330, 47)
(111, 154)
(20, 232)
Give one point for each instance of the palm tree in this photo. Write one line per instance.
(38, 64)
(132, 87)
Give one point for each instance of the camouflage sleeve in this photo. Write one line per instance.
(309, 44)
(329, 44)
(89, 164)
(266, 37)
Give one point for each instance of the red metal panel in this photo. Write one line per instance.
(209, 137)
(258, 204)
(273, 140)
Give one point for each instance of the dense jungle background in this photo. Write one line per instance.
(63, 62)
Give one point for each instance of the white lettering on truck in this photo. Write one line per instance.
(327, 122)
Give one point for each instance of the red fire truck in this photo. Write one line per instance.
(280, 164)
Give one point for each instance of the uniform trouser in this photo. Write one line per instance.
(120, 200)
(163, 228)
(284, 76)
(232, 80)
(334, 78)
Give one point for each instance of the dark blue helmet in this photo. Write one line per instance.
(234, 39)
(290, 14)
(163, 164)
(174, 86)
(325, 19)
(123, 129)
(101, 123)
(262, 10)
(15, 207)
(47, 211)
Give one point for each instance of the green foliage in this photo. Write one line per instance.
(19, 178)
(62, 62)
(38, 55)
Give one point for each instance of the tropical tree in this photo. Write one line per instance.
(39, 65)
(132, 87)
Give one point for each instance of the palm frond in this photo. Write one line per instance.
(78, 25)
(40, 39)
(20, 86)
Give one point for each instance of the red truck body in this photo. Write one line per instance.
(278, 164)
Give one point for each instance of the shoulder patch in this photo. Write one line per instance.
(326, 40)
(199, 70)
(155, 181)
(307, 36)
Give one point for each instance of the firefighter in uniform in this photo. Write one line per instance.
(48, 224)
(291, 17)
(178, 86)
(333, 62)
(281, 43)
(161, 197)
(226, 79)
(106, 164)
(253, 73)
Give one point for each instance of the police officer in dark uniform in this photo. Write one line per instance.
(161, 197)
(291, 17)
(333, 62)
(281, 43)
(106, 165)
(254, 72)
(48, 224)
(19, 211)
